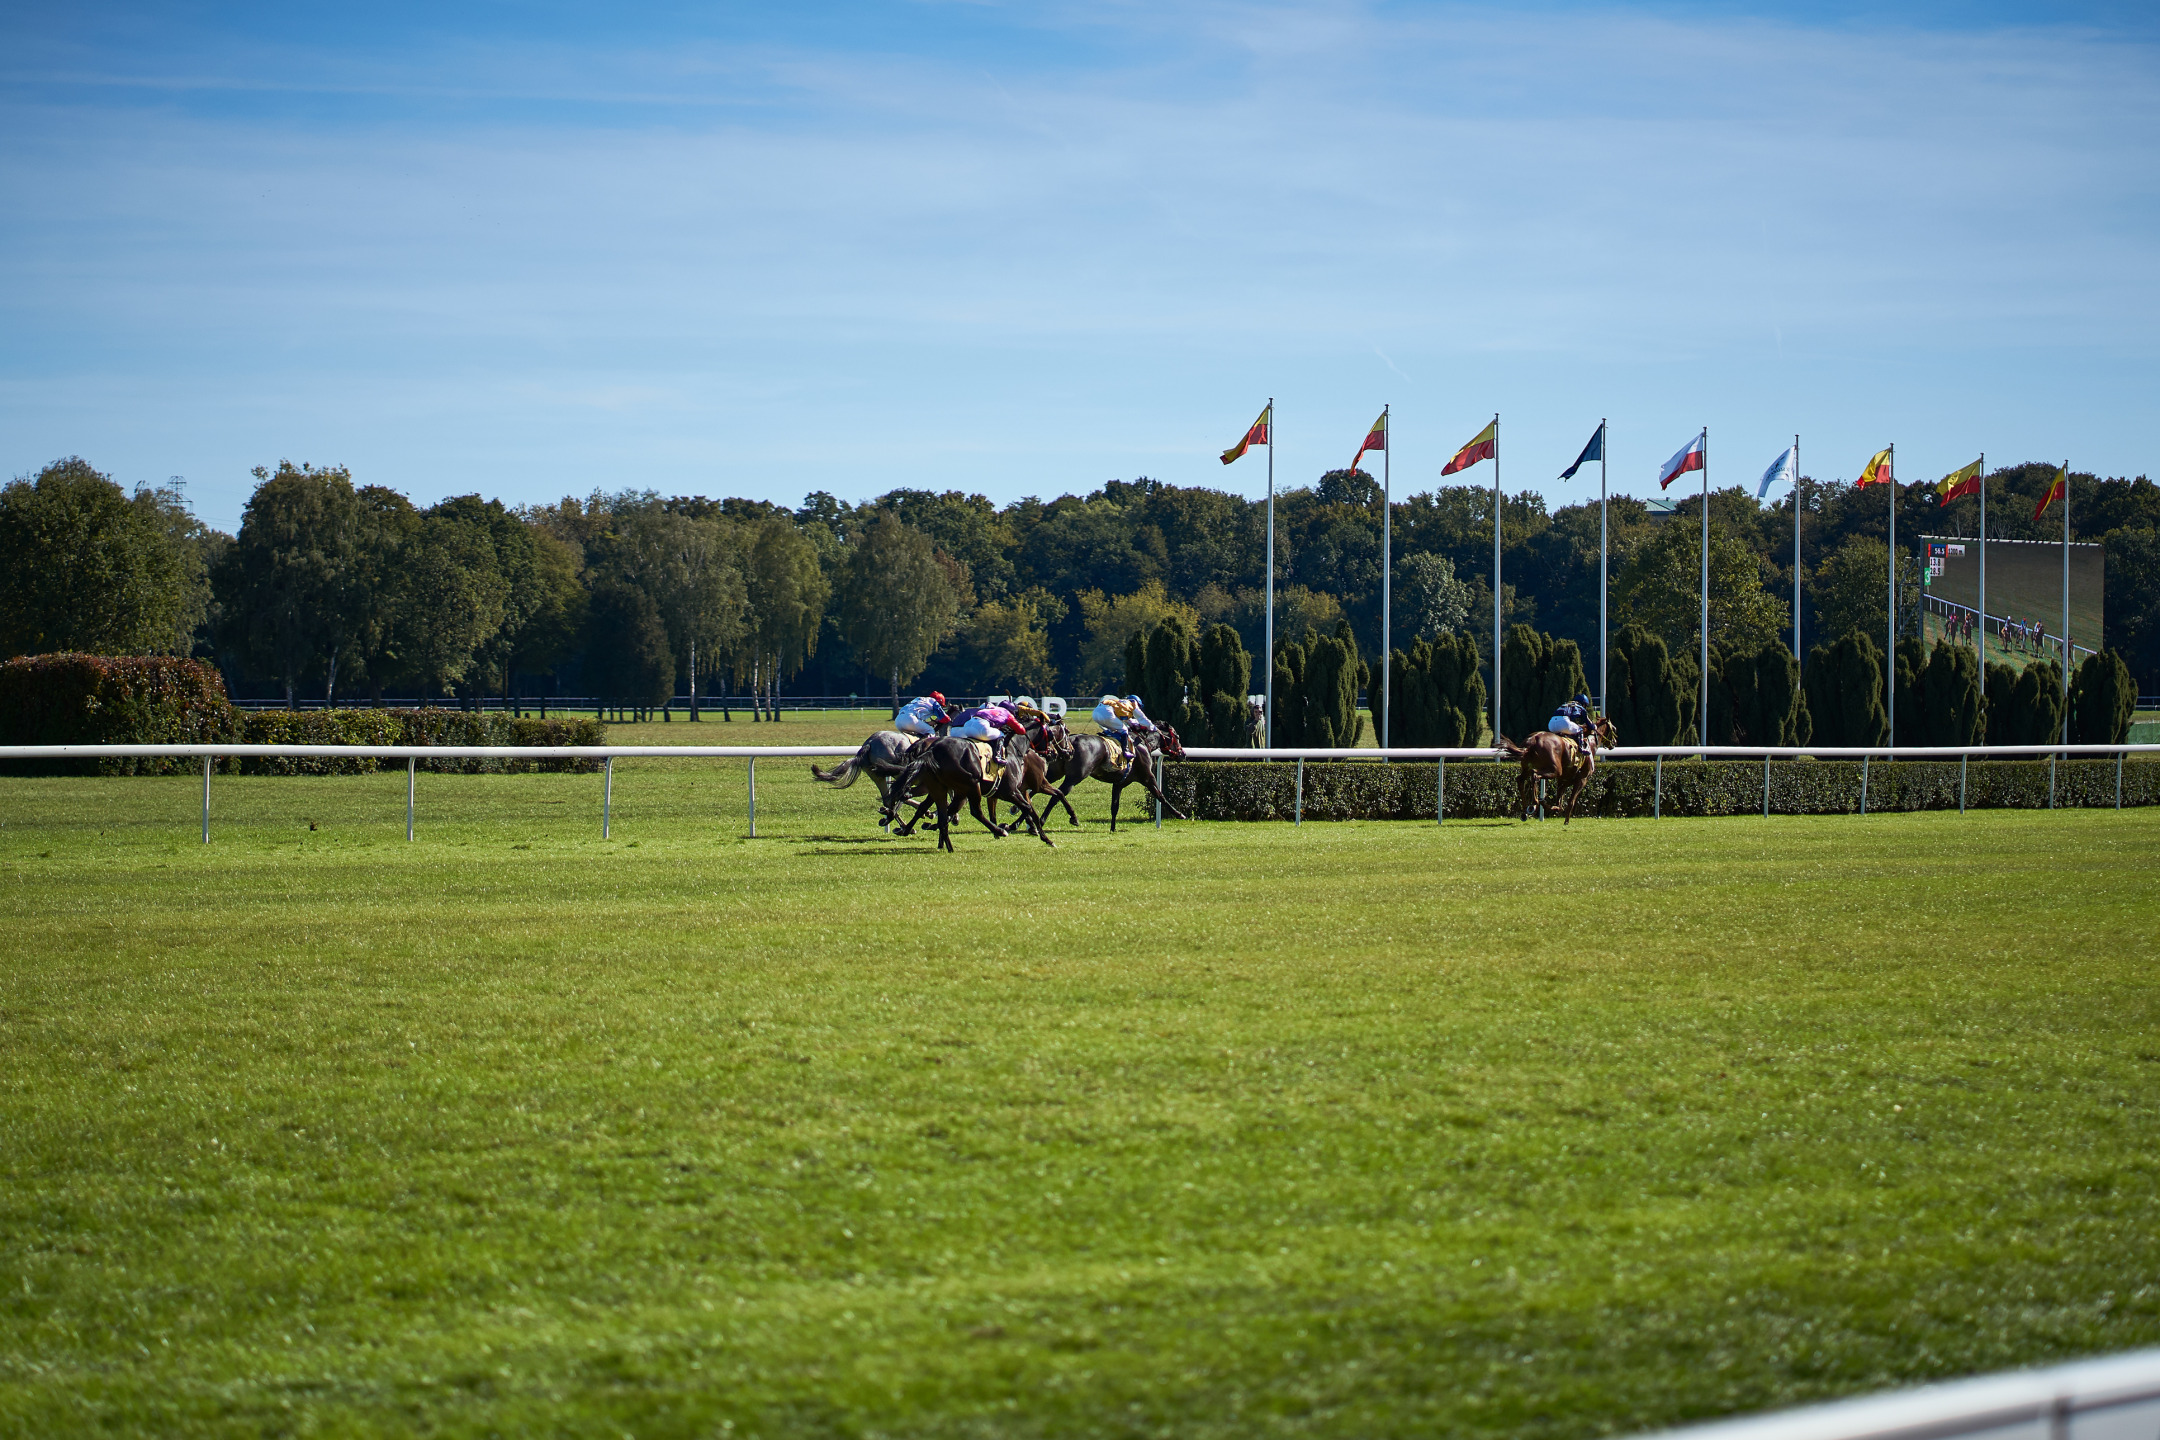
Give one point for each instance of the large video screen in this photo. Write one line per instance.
(2024, 589)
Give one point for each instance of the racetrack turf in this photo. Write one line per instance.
(1353, 1129)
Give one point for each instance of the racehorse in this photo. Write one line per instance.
(883, 757)
(1546, 756)
(1089, 759)
(947, 773)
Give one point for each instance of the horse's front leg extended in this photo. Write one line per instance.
(1148, 785)
(1035, 822)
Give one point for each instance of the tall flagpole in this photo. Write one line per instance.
(1387, 574)
(1702, 685)
(1890, 657)
(1983, 575)
(1269, 737)
(2066, 605)
(1603, 441)
(1496, 577)
(1796, 548)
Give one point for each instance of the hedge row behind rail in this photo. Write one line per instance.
(165, 700)
(1257, 790)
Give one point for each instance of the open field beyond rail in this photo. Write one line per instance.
(1347, 1130)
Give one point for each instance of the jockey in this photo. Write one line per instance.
(1573, 721)
(923, 716)
(1119, 718)
(990, 722)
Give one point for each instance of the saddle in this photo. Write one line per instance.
(1117, 751)
(987, 768)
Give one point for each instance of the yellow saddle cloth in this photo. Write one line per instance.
(986, 759)
(1117, 751)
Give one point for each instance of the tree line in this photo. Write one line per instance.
(335, 588)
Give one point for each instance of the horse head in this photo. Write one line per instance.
(1608, 734)
(1171, 746)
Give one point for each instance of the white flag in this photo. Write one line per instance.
(1780, 469)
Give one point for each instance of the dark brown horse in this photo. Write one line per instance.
(1049, 743)
(1546, 756)
(947, 774)
(1089, 759)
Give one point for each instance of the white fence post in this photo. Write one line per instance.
(1298, 815)
(1440, 794)
(2051, 780)
(2118, 779)
(607, 795)
(1964, 763)
(1863, 784)
(1657, 790)
(206, 799)
(1158, 790)
(1766, 787)
(412, 765)
(753, 797)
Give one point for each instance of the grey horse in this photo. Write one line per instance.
(1089, 759)
(883, 757)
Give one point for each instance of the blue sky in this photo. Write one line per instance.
(763, 250)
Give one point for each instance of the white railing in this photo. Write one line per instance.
(2116, 1398)
(1713, 752)
(609, 754)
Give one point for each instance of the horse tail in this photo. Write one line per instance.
(1508, 747)
(842, 775)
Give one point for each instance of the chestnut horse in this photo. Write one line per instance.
(1546, 756)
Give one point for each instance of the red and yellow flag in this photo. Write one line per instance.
(1877, 471)
(1375, 439)
(1481, 448)
(2057, 491)
(1958, 482)
(1258, 435)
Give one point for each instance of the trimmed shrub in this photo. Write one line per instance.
(1755, 699)
(71, 699)
(1948, 698)
(1249, 790)
(1845, 692)
(1538, 675)
(1316, 691)
(2103, 696)
(1169, 671)
(1437, 693)
(1225, 681)
(413, 727)
(2025, 707)
(1651, 699)
(1912, 663)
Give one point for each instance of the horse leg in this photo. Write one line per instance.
(1035, 824)
(1117, 789)
(974, 804)
(1147, 783)
(947, 808)
(1522, 791)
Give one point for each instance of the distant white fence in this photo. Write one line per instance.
(2117, 1398)
(609, 754)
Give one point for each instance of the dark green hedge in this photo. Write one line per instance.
(160, 700)
(410, 727)
(70, 699)
(1237, 790)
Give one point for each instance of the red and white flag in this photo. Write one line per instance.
(1689, 458)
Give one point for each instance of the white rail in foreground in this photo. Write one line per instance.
(2116, 1398)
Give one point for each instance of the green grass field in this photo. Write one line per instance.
(1354, 1129)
